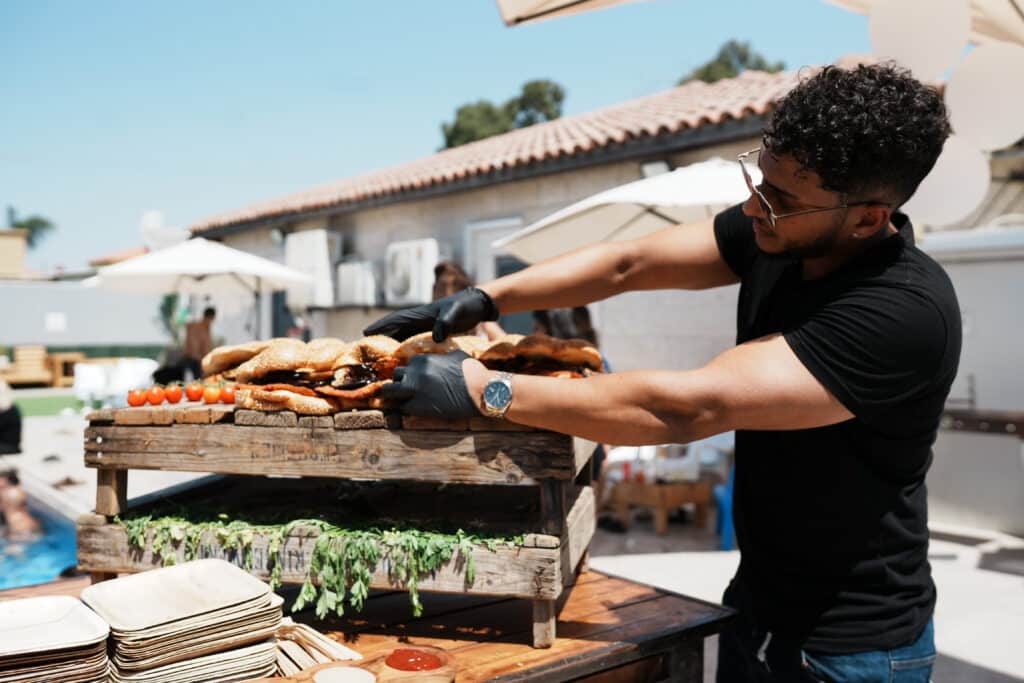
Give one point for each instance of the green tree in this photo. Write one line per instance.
(733, 58)
(539, 100)
(37, 226)
(476, 121)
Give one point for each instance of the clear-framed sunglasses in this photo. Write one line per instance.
(766, 206)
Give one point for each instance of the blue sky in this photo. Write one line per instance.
(109, 109)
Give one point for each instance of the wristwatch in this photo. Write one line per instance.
(498, 395)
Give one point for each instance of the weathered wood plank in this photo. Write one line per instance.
(204, 414)
(316, 421)
(258, 418)
(366, 419)
(554, 505)
(517, 458)
(143, 415)
(435, 423)
(583, 451)
(101, 416)
(111, 492)
(541, 541)
(512, 572)
(580, 526)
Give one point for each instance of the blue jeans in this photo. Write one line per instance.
(749, 654)
(908, 664)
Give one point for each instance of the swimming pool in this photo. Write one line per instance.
(41, 560)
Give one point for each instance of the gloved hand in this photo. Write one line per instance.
(432, 385)
(459, 312)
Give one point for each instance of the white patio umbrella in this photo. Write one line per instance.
(685, 195)
(199, 266)
(515, 12)
(990, 19)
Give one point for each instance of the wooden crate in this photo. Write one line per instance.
(357, 445)
(537, 570)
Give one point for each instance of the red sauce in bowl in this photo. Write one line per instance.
(405, 659)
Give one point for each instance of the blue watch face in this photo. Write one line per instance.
(497, 394)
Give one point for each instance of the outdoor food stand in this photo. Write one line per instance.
(368, 509)
(367, 445)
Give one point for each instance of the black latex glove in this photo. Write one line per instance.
(432, 385)
(459, 312)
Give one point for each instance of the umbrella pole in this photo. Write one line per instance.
(259, 313)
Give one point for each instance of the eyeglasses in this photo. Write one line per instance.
(766, 206)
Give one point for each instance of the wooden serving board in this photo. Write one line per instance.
(360, 444)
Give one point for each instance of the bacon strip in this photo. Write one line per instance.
(303, 391)
(369, 391)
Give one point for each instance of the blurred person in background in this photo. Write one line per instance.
(199, 341)
(21, 525)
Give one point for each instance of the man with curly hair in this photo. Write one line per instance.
(848, 339)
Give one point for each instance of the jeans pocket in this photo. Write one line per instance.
(916, 670)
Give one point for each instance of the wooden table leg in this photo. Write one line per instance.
(661, 520)
(111, 492)
(544, 619)
(700, 517)
(554, 505)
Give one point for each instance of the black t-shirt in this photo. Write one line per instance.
(832, 522)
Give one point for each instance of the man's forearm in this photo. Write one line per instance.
(627, 408)
(577, 278)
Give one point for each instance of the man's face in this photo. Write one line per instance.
(789, 187)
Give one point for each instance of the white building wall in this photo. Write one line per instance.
(69, 314)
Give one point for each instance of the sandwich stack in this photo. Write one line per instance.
(329, 375)
(205, 620)
(53, 638)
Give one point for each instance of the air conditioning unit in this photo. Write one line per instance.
(410, 272)
(312, 251)
(357, 284)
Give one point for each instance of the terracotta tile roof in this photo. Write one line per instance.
(684, 107)
(118, 256)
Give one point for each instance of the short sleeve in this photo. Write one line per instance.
(734, 234)
(877, 350)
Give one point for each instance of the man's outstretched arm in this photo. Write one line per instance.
(757, 385)
(680, 257)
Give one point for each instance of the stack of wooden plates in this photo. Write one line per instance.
(54, 638)
(206, 621)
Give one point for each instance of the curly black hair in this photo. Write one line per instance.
(872, 132)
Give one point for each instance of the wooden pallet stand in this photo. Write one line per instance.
(358, 445)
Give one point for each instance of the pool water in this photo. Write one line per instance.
(41, 560)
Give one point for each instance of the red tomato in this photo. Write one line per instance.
(155, 395)
(227, 393)
(136, 398)
(211, 394)
(194, 391)
(173, 393)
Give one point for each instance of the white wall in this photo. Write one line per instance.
(92, 316)
(670, 330)
(993, 330)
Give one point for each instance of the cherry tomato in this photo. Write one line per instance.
(211, 394)
(173, 393)
(194, 391)
(136, 398)
(227, 393)
(155, 395)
